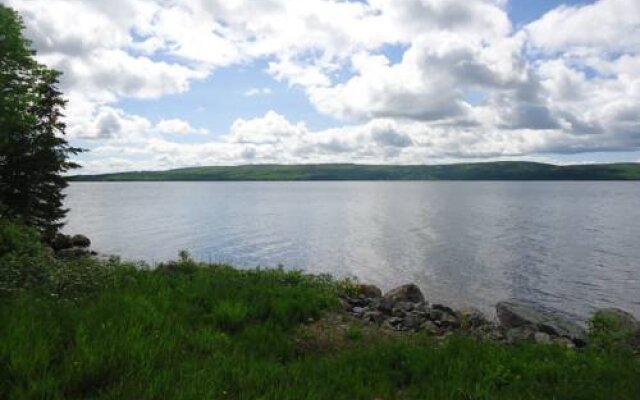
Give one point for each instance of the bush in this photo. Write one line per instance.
(22, 258)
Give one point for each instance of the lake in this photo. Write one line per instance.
(573, 246)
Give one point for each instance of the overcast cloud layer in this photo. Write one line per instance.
(468, 85)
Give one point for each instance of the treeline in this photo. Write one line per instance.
(509, 170)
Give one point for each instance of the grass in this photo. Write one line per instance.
(109, 330)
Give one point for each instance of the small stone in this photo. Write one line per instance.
(373, 317)
(429, 327)
(520, 334)
(358, 310)
(405, 306)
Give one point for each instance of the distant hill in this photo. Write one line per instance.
(504, 170)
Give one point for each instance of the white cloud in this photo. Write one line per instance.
(264, 91)
(178, 126)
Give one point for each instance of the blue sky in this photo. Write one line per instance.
(155, 85)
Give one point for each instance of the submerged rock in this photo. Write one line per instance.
(517, 313)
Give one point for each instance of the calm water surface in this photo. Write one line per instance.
(570, 245)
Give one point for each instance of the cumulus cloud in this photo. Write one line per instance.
(178, 126)
(568, 82)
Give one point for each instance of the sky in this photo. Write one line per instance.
(161, 84)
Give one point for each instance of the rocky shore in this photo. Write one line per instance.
(405, 309)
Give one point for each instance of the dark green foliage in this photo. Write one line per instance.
(33, 152)
(343, 172)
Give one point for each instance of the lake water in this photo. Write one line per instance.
(569, 245)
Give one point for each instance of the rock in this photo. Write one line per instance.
(472, 318)
(370, 291)
(449, 321)
(404, 306)
(385, 306)
(435, 315)
(520, 334)
(429, 327)
(60, 242)
(396, 312)
(517, 313)
(375, 317)
(541, 337)
(358, 310)
(411, 322)
(443, 308)
(80, 241)
(409, 292)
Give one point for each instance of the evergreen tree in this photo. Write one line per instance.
(33, 152)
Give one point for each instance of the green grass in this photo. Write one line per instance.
(193, 332)
(508, 170)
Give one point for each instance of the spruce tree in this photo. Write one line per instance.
(33, 152)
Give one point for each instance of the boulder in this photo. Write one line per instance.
(517, 313)
(369, 291)
(80, 241)
(409, 292)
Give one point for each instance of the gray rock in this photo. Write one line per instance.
(385, 305)
(429, 327)
(520, 334)
(409, 292)
(443, 308)
(517, 313)
(541, 337)
(411, 321)
(472, 318)
(80, 241)
(404, 306)
(358, 310)
(375, 317)
(435, 315)
(449, 321)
